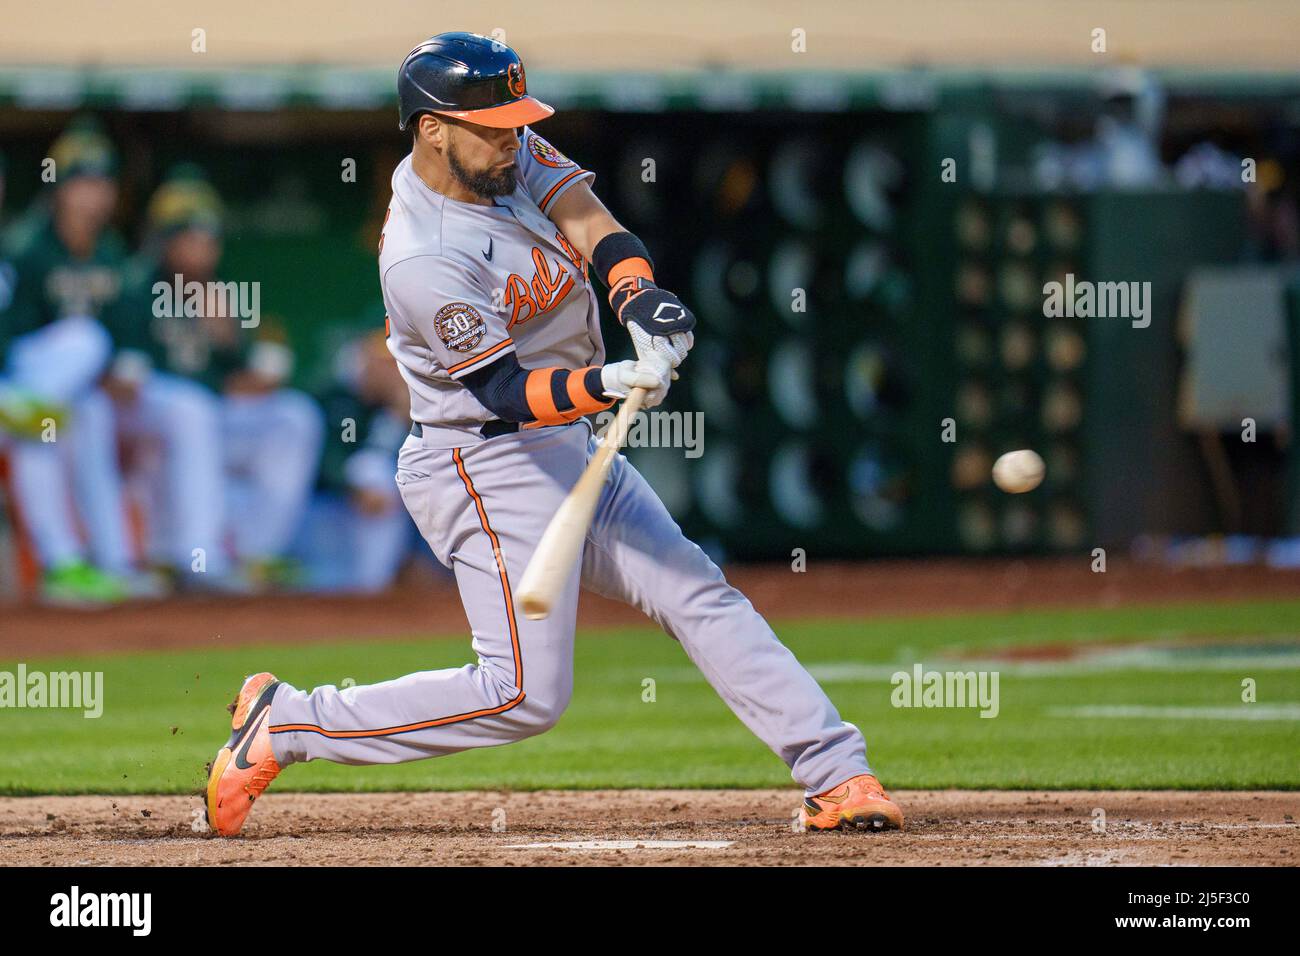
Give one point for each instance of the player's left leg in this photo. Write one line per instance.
(482, 508)
(73, 480)
(44, 501)
(183, 418)
(67, 469)
(636, 553)
(97, 484)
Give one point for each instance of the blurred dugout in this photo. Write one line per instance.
(922, 297)
(218, 455)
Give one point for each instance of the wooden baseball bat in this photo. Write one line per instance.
(549, 568)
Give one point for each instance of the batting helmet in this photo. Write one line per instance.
(470, 77)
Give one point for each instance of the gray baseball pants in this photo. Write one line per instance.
(482, 505)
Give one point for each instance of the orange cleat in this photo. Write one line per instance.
(245, 766)
(860, 803)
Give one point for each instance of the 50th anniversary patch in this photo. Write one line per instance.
(460, 326)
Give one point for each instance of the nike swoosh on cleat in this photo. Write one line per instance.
(240, 762)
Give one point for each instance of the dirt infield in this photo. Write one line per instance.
(945, 828)
(432, 608)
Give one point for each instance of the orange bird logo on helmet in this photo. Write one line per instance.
(515, 79)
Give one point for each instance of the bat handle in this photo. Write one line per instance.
(616, 433)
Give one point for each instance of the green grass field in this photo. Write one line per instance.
(1190, 728)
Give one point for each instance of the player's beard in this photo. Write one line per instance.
(487, 183)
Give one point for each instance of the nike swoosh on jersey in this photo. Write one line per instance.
(488, 255)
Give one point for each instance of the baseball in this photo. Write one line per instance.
(1018, 471)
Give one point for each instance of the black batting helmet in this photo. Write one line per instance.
(470, 77)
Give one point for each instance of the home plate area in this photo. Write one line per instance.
(657, 827)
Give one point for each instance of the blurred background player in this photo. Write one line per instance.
(164, 381)
(238, 449)
(64, 264)
(359, 533)
(6, 269)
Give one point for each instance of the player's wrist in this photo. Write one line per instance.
(623, 263)
(651, 373)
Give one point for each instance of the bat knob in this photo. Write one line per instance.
(534, 608)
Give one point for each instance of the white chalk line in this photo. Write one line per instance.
(1100, 662)
(625, 845)
(1287, 711)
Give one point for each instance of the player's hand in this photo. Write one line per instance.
(673, 347)
(656, 319)
(652, 374)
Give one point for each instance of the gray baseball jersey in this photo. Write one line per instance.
(465, 284)
(482, 505)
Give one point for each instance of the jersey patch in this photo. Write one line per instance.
(460, 326)
(546, 154)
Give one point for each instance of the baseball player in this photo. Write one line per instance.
(163, 387)
(66, 263)
(238, 449)
(493, 320)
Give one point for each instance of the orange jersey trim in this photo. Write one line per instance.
(504, 343)
(514, 643)
(558, 186)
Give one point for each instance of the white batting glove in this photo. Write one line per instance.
(618, 378)
(673, 347)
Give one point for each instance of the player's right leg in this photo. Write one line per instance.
(481, 508)
(636, 553)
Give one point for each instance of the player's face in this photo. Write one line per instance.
(193, 253)
(86, 200)
(483, 158)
